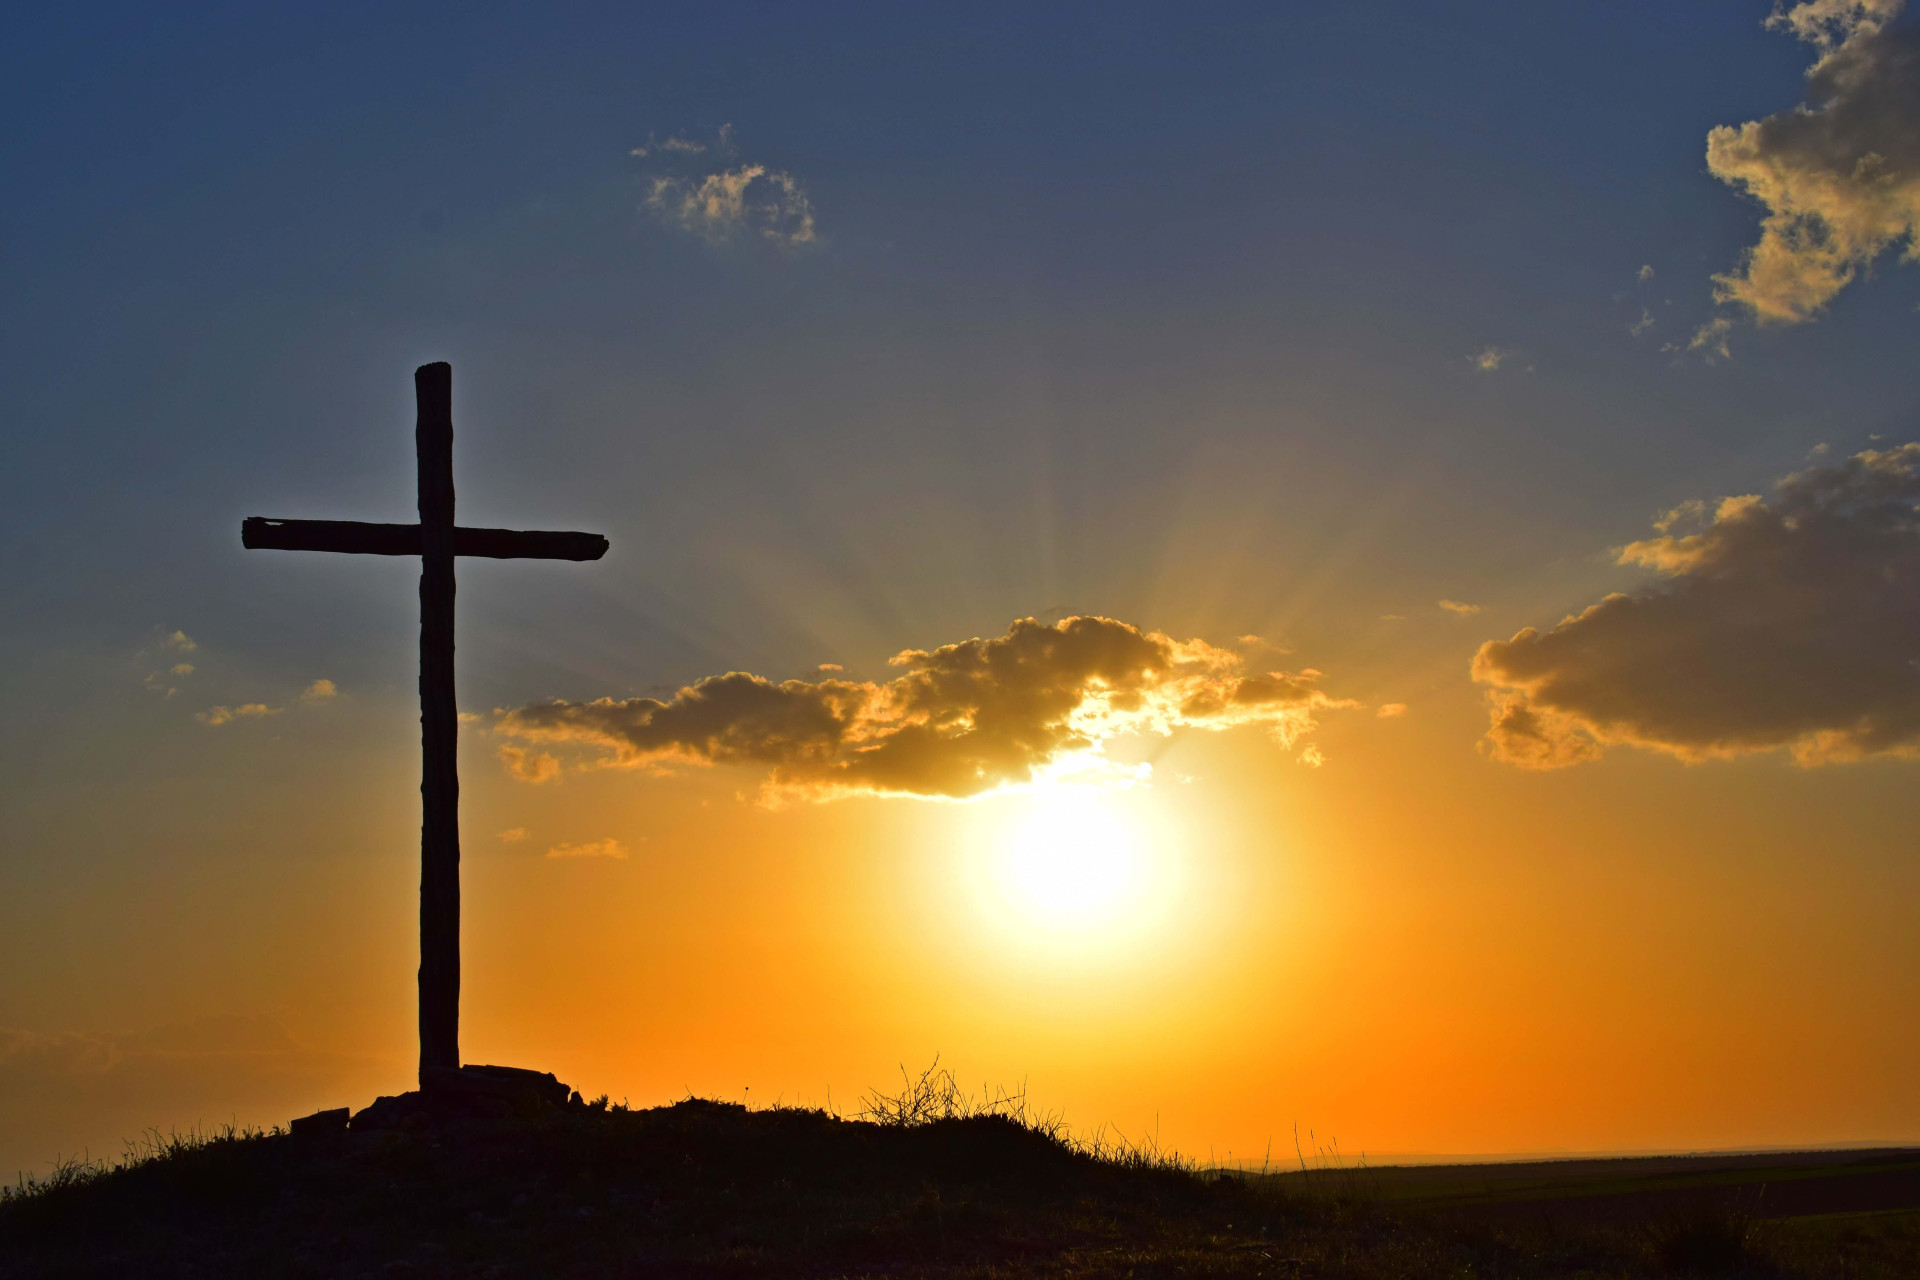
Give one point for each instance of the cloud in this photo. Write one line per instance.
(1783, 623)
(227, 715)
(592, 849)
(178, 642)
(1711, 338)
(718, 204)
(959, 721)
(1839, 175)
(675, 144)
(830, 666)
(1644, 274)
(1489, 359)
(1459, 608)
(319, 691)
(1390, 710)
(750, 198)
(530, 766)
(513, 835)
(1644, 323)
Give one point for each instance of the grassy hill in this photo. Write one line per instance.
(924, 1186)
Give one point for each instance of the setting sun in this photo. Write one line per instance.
(1069, 860)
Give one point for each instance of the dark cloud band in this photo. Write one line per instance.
(1786, 623)
(959, 721)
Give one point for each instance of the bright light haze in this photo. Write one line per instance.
(1102, 462)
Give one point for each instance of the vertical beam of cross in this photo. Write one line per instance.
(436, 540)
(439, 727)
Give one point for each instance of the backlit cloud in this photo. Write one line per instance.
(1790, 622)
(702, 193)
(959, 721)
(529, 766)
(227, 715)
(1839, 175)
(751, 198)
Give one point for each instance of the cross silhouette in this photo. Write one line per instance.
(436, 540)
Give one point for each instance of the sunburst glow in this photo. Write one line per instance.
(1072, 859)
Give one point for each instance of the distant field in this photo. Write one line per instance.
(1780, 1184)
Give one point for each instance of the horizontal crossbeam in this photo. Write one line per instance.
(359, 537)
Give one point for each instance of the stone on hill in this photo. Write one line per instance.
(470, 1093)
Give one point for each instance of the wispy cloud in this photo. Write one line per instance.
(168, 645)
(959, 721)
(1459, 608)
(720, 203)
(1838, 176)
(1778, 623)
(1489, 359)
(530, 766)
(591, 849)
(1710, 339)
(215, 716)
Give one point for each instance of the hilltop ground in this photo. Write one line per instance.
(920, 1187)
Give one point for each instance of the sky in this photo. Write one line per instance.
(1241, 567)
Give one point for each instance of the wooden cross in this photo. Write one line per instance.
(436, 540)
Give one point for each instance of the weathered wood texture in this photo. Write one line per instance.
(261, 533)
(439, 729)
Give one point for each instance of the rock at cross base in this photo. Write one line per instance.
(470, 1093)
